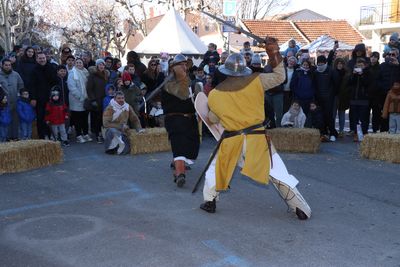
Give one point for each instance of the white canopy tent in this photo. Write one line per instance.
(173, 36)
(326, 43)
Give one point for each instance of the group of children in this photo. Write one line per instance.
(26, 114)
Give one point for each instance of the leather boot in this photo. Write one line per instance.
(209, 206)
(272, 49)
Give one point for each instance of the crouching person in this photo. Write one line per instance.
(115, 121)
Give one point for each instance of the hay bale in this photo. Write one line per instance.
(152, 140)
(381, 146)
(30, 154)
(295, 140)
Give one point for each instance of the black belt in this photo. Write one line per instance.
(228, 134)
(187, 115)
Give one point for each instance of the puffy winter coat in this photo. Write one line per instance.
(26, 112)
(56, 113)
(5, 116)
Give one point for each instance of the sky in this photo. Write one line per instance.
(335, 9)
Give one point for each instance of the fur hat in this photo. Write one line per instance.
(100, 61)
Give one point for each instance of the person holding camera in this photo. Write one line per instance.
(358, 87)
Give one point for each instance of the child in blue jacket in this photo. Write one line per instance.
(26, 114)
(5, 116)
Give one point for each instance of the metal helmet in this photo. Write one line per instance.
(179, 58)
(235, 65)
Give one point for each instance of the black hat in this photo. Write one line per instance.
(321, 59)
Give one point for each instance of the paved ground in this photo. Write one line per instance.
(101, 210)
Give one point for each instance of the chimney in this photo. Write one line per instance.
(151, 12)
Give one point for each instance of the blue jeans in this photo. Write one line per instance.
(25, 130)
(3, 133)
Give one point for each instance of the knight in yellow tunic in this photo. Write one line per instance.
(238, 104)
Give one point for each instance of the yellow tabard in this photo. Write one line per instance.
(238, 110)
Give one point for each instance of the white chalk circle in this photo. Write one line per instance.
(56, 228)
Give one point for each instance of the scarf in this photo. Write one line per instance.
(322, 68)
(305, 70)
(81, 77)
(118, 109)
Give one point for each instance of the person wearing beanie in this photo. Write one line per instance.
(56, 115)
(325, 95)
(110, 93)
(96, 84)
(393, 43)
(131, 91)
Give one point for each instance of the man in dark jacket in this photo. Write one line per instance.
(390, 72)
(376, 97)
(324, 85)
(43, 78)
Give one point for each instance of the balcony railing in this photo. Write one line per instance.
(380, 13)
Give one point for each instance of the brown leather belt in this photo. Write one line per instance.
(187, 115)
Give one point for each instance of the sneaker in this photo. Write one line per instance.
(80, 139)
(100, 139)
(209, 206)
(332, 138)
(121, 148)
(65, 143)
(114, 143)
(87, 138)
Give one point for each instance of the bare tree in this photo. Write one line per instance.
(137, 13)
(16, 22)
(92, 25)
(259, 9)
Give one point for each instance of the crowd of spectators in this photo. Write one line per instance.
(76, 95)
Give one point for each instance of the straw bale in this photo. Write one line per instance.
(296, 140)
(29, 154)
(381, 146)
(152, 140)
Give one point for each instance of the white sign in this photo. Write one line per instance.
(229, 8)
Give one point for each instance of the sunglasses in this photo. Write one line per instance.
(153, 64)
(392, 55)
